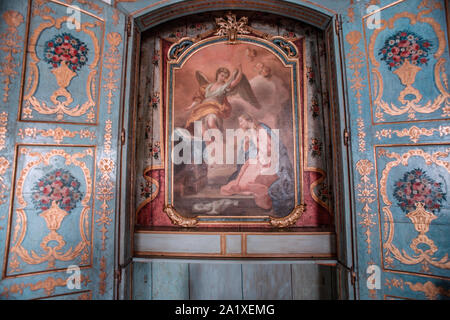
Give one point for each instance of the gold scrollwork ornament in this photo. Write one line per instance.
(407, 74)
(420, 218)
(53, 216)
(61, 98)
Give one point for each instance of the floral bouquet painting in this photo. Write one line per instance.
(58, 187)
(415, 187)
(405, 52)
(405, 46)
(65, 48)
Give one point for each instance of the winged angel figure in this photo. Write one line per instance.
(210, 103)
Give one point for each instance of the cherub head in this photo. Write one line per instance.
(222, 74)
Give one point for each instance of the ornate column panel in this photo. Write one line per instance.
(62, 126)
(397, 69)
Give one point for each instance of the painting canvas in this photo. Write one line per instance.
(232, 127)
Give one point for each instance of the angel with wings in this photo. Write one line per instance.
(210, 104)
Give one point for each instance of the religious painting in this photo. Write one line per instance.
(233, 130)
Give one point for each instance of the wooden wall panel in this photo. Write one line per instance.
(170, 281)
(313, 282)
(222, 281)
(142, 281)
(215, 281)
(267, 281)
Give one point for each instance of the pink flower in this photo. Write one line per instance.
(65, 191)
(57, 184)
(414, 57)
(45, 200)
(423, 60)
(41, 183)
(426, 44)
(396, 58)
(66, 200)
(47, 190)
(56, 196)
(74, 184)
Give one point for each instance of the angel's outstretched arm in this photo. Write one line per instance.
(237, 77)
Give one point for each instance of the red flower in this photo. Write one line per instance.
(405, 54)
(66, 200)
(396, 58)
(383, 51)
(50, 44)
(423, 60)
(66, 38)
(54, 65)
(74, 184)
(73, 52)
(414, 57)
(403, 34)
(45, 200)
(55, 58)
(57, 184)
(44, 208)
(415, 46)
(56, 196)
(41, 183)
(404, 43)
(74, 60)
(82, 48)
(392, 64)
(58, 50)
(426, 44)
(395, 50)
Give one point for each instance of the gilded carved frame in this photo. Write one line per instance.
(232, 31)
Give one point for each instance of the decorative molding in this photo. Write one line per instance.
(365, 193)
(52, 253)
(112, 62)
(103, 276)
(4, 165)
(361, 135)
(105, 194)
(58, 134)
(430, 290)
(231, 27)
(356, 63)
(63, 76)
(407, 77)
(424, 257)
(3, 129)
(48, 285)
(413, 132)
(289, 220)
(10, 43)
(108, 136)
